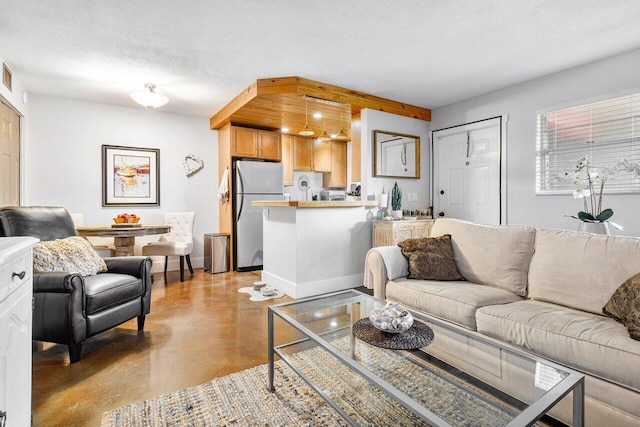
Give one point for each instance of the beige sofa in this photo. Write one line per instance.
(540, 290)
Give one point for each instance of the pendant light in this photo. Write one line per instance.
(325, 136)
(306, 130)
(149, 98)
(341, 135)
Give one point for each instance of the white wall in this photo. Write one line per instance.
(63, 167)
(521, 102)
(377, 120)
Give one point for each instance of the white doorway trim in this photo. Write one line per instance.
(504, 119)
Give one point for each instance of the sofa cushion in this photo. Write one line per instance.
(456, 302)
(430, 258)
(588, 342)
(72, 254)
(581, 270)
(109, 289)
(624, 306)
(493, 255)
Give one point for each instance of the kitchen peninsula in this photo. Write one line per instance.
(314, 247)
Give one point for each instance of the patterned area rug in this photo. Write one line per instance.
(242, 399)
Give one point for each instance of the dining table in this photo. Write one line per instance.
(124, 236)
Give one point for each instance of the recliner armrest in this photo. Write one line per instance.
(56, 281)
(137, 266)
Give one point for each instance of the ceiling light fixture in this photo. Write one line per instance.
(341, 135)
(306, 130)
(149, 98)
(325, 136)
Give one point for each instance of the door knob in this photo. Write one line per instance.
(441, 191)
(440, 213)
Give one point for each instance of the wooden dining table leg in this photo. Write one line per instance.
(124, 245)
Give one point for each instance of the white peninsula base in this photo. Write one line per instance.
(315, 247)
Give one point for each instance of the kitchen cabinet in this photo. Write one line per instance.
(269, 145)
(16, 293)
(390, 233)
(322, 156)
(302, 154)
(337, 178)
(255, 143)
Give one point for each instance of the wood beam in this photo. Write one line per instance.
(223, 116)
(272, 102)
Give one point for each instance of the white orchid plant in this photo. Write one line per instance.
(590, 181)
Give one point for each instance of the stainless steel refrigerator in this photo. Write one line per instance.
(254, 180)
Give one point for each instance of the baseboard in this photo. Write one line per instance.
(304, 290)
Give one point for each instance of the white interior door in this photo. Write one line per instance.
(466, 172)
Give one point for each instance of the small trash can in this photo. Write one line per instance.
(216, 252)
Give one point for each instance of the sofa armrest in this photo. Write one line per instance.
(137, 266)
(385, 263)
(56, 281)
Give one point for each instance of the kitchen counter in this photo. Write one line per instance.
(315, 204)
(314, 251)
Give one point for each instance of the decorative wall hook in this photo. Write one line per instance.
(192, 164)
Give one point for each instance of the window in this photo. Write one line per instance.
(606, 130)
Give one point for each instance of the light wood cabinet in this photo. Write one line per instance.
(337, 178)
(269, 145)
(287, 160)
(16, 291)
(322, 156)
(390, 233)
(255, 143)
(302, 154)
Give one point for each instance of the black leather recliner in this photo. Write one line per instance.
(69, 308)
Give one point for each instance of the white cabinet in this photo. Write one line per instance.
(16, 291)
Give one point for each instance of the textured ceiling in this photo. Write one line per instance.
(202, 53)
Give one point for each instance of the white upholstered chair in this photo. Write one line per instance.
(179, 242)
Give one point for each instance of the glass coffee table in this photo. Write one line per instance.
(461, 378)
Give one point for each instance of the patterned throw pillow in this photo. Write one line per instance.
(73, 255)
(430, 258)
(624, 306)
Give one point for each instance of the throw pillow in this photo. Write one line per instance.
(624, 306)
(430, 258)
(73, 255)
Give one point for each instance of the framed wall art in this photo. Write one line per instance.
(130, 176)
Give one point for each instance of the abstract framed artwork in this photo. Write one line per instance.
(130, 176)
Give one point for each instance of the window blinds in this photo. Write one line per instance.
(606, 130)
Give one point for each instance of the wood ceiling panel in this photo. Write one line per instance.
(280, 102)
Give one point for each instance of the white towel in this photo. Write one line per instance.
(394, 261)
(223, 191)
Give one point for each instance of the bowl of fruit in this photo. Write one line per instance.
(126, 218)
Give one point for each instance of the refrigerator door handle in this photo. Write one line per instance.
(241, 192)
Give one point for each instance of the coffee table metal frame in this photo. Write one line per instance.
(574, 381)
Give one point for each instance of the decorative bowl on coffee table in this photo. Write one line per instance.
(393, 319)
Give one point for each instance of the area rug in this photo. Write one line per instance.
(242, 399)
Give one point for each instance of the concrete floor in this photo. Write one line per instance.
(197, 330)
